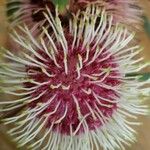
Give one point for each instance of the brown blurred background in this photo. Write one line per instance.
(143, 136)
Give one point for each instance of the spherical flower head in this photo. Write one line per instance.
(73, 84)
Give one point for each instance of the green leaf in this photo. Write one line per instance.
(142, 76)
(12, 7)
(146, 25)
(145, 76)
(61, 4)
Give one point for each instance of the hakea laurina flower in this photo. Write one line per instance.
(72, 85)
(31, 11)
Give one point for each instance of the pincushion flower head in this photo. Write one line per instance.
(31, 11)
(73, 85)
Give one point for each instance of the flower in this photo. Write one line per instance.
(73, 84)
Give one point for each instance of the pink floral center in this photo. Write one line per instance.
(81, 97)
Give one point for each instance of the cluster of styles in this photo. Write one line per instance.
(69, 84)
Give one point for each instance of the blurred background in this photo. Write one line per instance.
(143, 136)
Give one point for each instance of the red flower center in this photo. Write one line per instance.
(84, 95)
